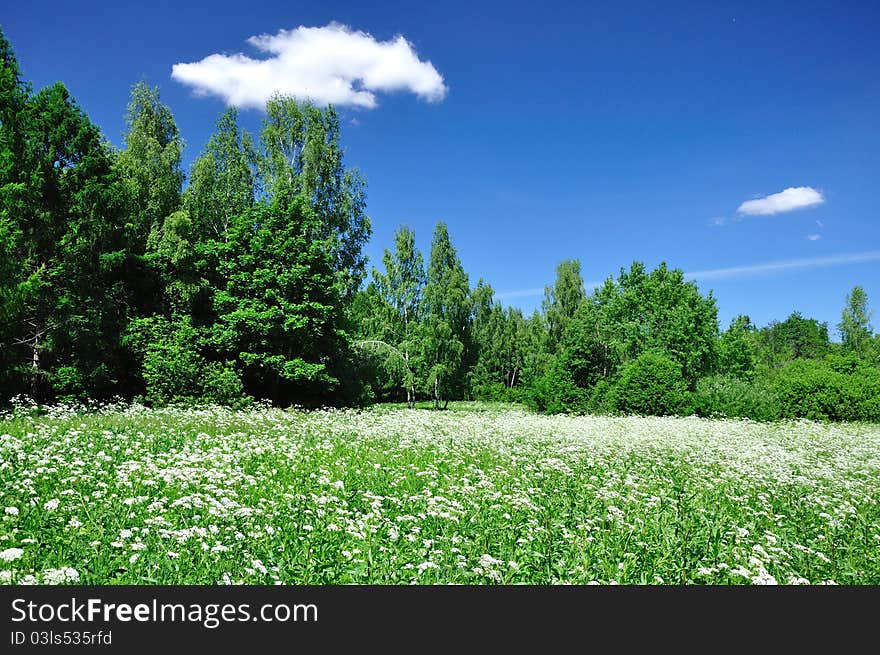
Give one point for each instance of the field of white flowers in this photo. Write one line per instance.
(478, 494)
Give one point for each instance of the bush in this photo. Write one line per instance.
(733, 397)
(651, 384)
(172, 368)
(556, 393)
(818, 390)
(222, 386)
(174, 371)
(496, 392)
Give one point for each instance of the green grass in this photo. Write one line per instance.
(480, 493)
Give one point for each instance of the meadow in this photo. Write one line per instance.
(477, 494)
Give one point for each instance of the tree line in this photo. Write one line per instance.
(244, 278)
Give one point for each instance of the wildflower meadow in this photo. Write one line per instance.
(477, 494)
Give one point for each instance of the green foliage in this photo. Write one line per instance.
(397, 306)
(821, 390)
(174, 369)
(556, 393)
(221, 385)
(659, 310)
(222, 182)
(64, 295)
(278, 310)
(738, 349)
(794, 338)
(855, 324)
(562, 300)
(651, 384)
(731, 396)
(445, 330)
(114, 281)
(149, 166)
(499, 338)
(301, 156)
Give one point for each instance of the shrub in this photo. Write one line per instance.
(815, 390)
(496, 392)
(222, 386)
(651, 384)
(556, 393)
(733, 397)
(174, 371)
(172, 366)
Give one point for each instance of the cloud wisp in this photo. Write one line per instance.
(786, 200)
(749, 270)
(327, 65)
(783, 266)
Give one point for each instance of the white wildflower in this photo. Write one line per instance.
(11, 554)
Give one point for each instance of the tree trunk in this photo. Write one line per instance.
(436, 392)
(410, 384)
(35, 371)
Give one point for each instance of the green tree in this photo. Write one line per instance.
(444, 332)
(278, 311)
(301, 156)
(562, 300)
(13, 196)
(855, 323)
(651, 384)
(794, 338)
(149, 166)
(738, 348)
(222, 180)
(660, 311)
(401, 288)
(499, 337)
(69, 253)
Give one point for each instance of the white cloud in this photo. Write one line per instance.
(785, 201)
(814, 237)
(778, 267)
(331, 64)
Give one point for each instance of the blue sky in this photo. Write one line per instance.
(608, 132)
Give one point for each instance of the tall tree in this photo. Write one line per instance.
(738, 348)
(278, 311)
(149, 166)
(562, 300)
(855, 323)
(222, 181)
(444, 332)
(794, 338)
(13, 195)
(69, 252)
(301, 155)
(500, 339)
(149, 169)
(660, 310)
(639, 312)
(401, 287)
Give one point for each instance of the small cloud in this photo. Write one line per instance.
(787, 200)
(354, 121)
(332, 64)
(719, 221)
(814, 237)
